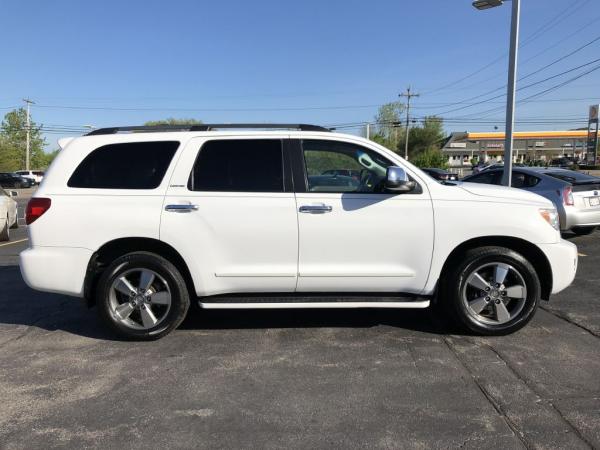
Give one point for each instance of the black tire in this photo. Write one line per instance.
(454, 285)
(583, 231)
(4, 231)
(16, 224)
(179, 295)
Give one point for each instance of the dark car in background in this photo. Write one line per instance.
(440, 174)
(564, 162)
(12, 180)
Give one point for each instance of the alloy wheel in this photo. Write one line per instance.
(139, 299)
(494, 293)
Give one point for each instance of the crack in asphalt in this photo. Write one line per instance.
(566, 318)
(532, 388)
(513, 426)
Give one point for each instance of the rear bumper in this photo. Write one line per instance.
(55, 269)
(562, 257)
(582, 218)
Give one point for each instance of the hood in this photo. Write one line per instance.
(505, 193)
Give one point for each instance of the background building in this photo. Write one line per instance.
(463, 149)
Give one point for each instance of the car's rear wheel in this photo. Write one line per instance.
(583, 231)
(492, 291)
(142, 296)
(4, 230)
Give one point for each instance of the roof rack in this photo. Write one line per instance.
(206, 127)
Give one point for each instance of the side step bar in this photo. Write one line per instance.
(314, 305)
(311, 303)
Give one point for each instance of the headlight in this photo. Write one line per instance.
(551, 216)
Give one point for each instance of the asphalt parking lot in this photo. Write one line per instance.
(299, 379)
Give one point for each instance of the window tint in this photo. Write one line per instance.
(239, 165)
(572, 176)
(137, 165)
(523, 181)
(340, 167)
(490, 177)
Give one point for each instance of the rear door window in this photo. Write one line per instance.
(239, 165)
(134, 165)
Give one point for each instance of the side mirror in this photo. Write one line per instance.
(14, 194)
(397, 181)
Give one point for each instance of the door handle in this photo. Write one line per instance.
(181, 208)
(316, 209)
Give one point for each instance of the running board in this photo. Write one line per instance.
(310, 303)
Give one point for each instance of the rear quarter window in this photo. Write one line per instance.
(134, 165)
(573, 177)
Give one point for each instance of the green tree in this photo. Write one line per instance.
(13, 132)
(173, 121)
(428, 136)
(387, 125)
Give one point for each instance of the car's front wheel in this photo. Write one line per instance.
(492, 291)
(142, 296)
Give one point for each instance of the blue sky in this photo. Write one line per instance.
(122, 63)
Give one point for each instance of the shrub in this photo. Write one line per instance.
(430, 158)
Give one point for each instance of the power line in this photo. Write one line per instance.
(536, 34)
(522, 87)
(544, 92)
(562, 58)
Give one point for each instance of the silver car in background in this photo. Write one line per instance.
(576, 195)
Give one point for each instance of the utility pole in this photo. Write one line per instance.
(27, 142)
(368, 131)
(408, 96)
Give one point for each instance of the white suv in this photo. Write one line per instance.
(141, 222)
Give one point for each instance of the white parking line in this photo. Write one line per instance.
(13, 242)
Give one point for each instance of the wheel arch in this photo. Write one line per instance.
(530, 251)
(114, 249)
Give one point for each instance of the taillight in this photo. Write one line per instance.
(568, 196)
(36, 207)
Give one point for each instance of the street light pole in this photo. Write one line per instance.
(512, 82)
(510, 95)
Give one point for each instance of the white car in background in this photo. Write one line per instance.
(8, 214)
(36, 175)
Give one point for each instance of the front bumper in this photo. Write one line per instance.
(55, 269)
(562, 257)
